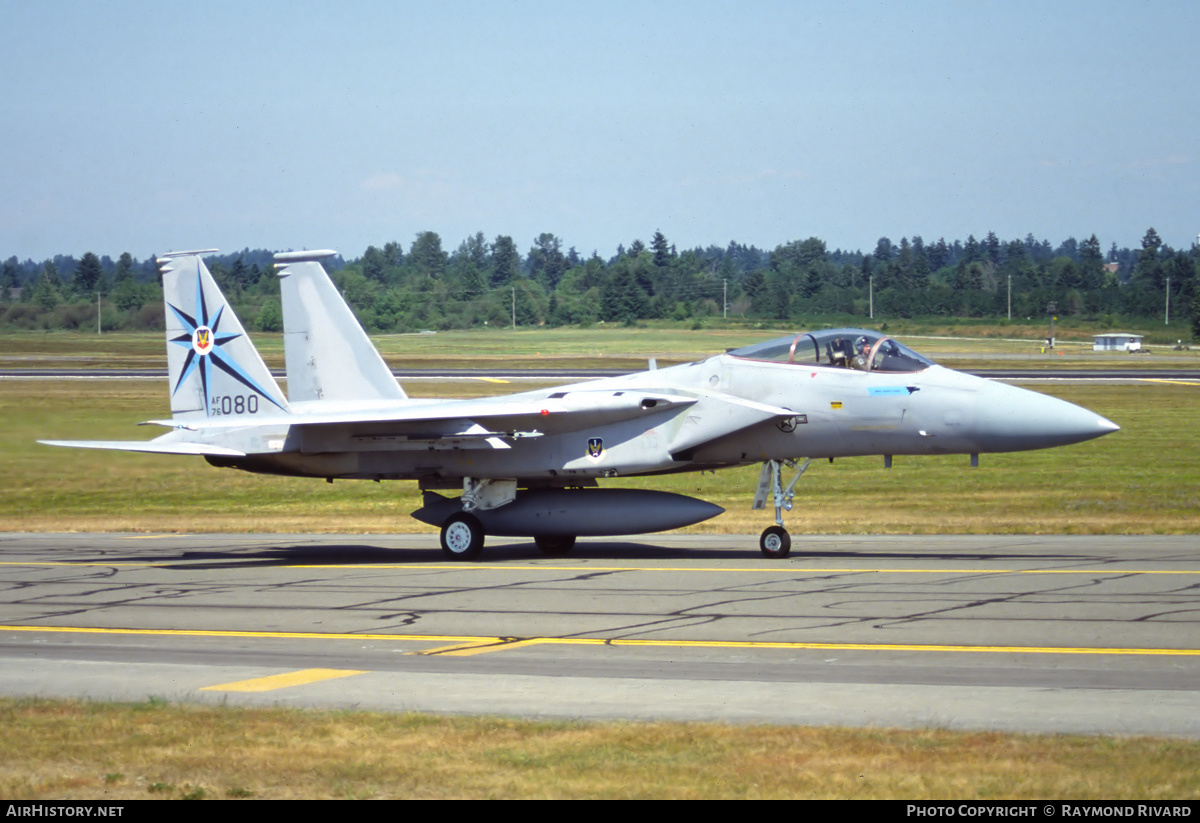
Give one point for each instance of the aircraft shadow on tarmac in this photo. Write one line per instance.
(324, 554)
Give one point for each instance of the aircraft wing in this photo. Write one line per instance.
(560, 411)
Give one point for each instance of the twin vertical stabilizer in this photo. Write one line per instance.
(329, 356)
(214, 368)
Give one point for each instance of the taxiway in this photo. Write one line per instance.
(1081, 634)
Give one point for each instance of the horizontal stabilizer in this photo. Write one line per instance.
(147, 446)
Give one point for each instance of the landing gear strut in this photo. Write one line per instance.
(775, 540)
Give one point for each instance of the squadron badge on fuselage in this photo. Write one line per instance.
(595, 451)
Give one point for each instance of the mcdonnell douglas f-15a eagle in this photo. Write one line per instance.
(528, 464)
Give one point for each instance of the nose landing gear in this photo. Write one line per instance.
(775, 541)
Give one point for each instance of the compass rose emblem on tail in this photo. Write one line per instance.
(214, 368)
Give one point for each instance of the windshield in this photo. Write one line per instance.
(840, 348)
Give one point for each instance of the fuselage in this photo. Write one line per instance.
(740, 409)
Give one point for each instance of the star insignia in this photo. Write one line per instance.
(205, 342)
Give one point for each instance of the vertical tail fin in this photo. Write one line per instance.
(329, 356)
(214, 368)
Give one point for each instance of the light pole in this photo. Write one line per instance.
(1167, 317)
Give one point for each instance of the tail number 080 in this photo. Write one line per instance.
(234, 404)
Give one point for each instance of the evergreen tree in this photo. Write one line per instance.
(9, 278)
(88, 275)
(393, 255)
(546, 262)
(991, 248)
(373, 264)
(971, 251)
(939, 255)
(124, 270)
(506, 261)
(46, 292)
(662, 251)
(427, 257)
(468, 265)
(1091, 264)
(238, 274)
(621, 299)
(1148, 271)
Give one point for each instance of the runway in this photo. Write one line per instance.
(1083, 634)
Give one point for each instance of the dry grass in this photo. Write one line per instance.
(75, 750)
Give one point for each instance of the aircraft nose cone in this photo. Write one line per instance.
(1014, 419)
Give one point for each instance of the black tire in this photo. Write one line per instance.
(775, 542)
(555, 545)
(462, 537)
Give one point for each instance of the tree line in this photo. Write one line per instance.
(482, 282)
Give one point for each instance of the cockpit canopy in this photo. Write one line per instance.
(839, 348)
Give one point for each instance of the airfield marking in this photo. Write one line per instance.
(461, 567)
(483, 643)
(500, 644)
(282, 681)
(1171, 382)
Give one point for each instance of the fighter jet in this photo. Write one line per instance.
(530, 464)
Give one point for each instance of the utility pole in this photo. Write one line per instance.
(871, 293)
(725, 298)
(97, 312)
(1010, 297)
(1167, 319)
(514, 307)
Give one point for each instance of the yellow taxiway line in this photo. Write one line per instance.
(282, 681)
(461, 645)
(1170, 382)
(467, 567)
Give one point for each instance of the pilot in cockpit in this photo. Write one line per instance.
(862, 354)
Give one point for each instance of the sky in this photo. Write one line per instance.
(152, 127)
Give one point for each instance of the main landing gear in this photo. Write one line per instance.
(775, 540)
(462, 539)
(462, 536)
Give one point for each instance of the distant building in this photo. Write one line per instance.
(1117, 341)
